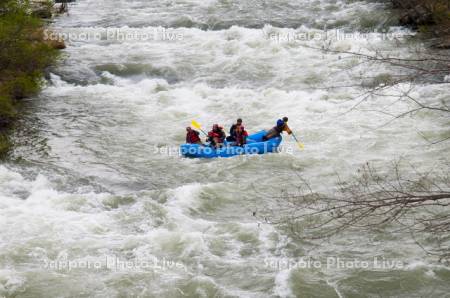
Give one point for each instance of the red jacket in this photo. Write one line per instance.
(192, 137)
(241, 137)
(217, 134)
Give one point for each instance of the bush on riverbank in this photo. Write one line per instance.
(423, 12)
(431, 17)
(24, 56)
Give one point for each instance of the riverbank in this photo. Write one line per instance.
(431, 18)
(24, 57)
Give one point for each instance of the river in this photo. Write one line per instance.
(96, 202)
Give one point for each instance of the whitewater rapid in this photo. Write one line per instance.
(95, 180)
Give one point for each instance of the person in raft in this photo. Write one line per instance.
(278, 130)
(241, 135)
(192, 136)
(232, 136)
(216, 136)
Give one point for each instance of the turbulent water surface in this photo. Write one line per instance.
(96, 202)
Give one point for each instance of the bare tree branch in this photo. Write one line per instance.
(418, 204)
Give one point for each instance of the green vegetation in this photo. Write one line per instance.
(24, 55)
(4, 144)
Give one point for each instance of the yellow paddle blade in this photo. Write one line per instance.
(196, 124)
(300, 146)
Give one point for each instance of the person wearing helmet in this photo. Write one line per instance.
(278, 129)
(216, 136)
(192, 136)
(232, 136)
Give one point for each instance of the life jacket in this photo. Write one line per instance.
(240, 137)
(279, 129)
(217, 134)
(273, 133)
(233, 130)
(192, 137)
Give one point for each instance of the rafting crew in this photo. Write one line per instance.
(238, 135)
(192, 136)
(216, 136)
(277, 130)
(242, 143)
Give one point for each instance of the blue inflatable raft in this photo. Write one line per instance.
(255, 145)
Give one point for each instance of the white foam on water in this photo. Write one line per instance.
(11, 282)
(282, 286)
(112, 101)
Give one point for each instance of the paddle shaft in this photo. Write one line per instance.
(300, 145)
(198, 126)
(295, 138)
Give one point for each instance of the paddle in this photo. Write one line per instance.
(198, 126)
(300, 145)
